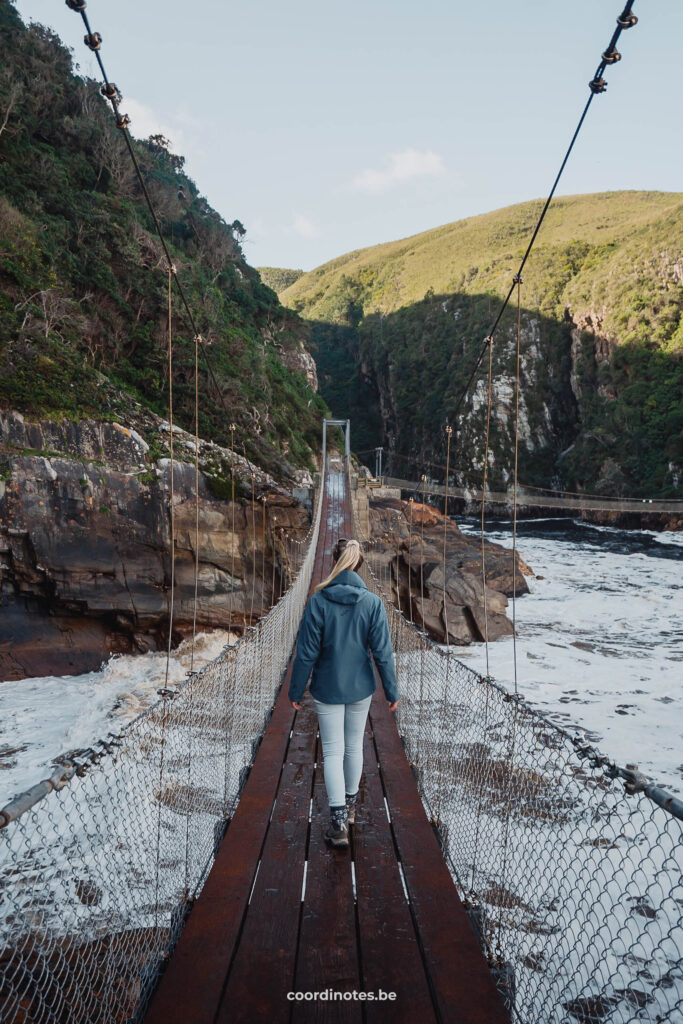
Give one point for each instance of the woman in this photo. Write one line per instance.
(342, 623)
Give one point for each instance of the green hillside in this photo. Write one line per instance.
(396, 328)
(83, 282)
(278, 278)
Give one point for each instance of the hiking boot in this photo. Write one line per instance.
(351, 808)
(337, 832)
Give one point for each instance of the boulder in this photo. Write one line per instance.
(451, 603)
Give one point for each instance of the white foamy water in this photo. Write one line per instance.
(600, 637)
(48, 716)
(599, 647)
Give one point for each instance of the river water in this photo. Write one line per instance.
(599, 646)
(600, 637)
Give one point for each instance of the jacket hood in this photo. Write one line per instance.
(347, 588)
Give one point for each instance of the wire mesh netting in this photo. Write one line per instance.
(98, 867)
(568, 864)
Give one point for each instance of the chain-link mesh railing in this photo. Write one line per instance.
(569, 865)
(99, 865)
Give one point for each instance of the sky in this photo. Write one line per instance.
(327, 127)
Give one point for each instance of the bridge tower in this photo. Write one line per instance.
(346, 426)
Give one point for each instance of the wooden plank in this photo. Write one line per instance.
(328, 942)
(193, 982)
(461, 981)
(262, 971)
(389, 948)
(191, 987)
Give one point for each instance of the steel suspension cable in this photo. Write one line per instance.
(596, 85)
(110, 91)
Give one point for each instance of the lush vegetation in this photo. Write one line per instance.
(396, 329)
(278, 278)
(83, 283)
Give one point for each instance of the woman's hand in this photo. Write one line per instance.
(295, 704)
(392, 707)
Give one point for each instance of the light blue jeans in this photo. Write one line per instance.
(341, 730)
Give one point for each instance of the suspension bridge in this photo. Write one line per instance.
(501, 867)
(534, 498)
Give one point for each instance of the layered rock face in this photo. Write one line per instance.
(408, 552)
(85, 548)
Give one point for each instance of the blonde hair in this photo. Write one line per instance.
(348, 555)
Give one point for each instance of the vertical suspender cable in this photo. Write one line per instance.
(422, 551)
(233, 539)
(196, 497)
(263, 558)
(483, 502)
(253, 542)
(165, 691)
(191, 682)
(410, 544)
(170, 448)
(449, 431)
(518, 281)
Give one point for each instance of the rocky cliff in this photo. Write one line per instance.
(407, 554)
(83, 277)
(396, 330)
(85, 536)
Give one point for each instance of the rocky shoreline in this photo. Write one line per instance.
(85, 535)
(407, 551)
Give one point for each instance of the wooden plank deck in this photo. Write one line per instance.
(283, 913)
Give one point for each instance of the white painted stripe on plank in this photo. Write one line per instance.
(258, 868)
(403, 882)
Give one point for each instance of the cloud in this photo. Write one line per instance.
(144, 122)
(304, 227)
(409, 163)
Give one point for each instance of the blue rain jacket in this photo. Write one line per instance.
(342, 624)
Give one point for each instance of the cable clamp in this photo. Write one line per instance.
(626, 19)
(635, 782)
(76, 5)
(122, 121)
(597, 85)
(611, 56)
(512, 698)
(517, 279)
(63, 775)
(488, 340)
(166, 692)
(94, 40)
(111, 92)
